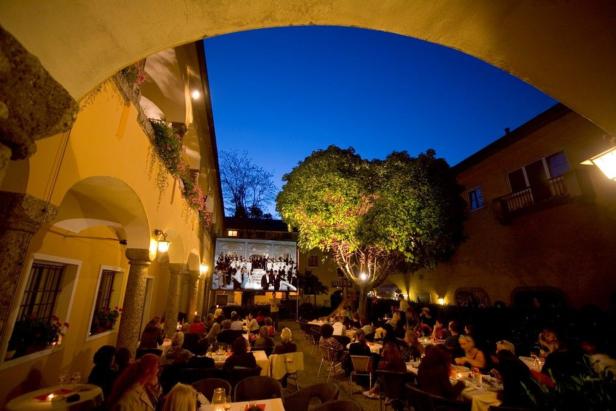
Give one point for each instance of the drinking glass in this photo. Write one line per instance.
(76, 377)
(62, 378)
(219, 396)
(227, 404)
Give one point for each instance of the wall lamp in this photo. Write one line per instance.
(203, 269)
(606, 162)
(163, 243)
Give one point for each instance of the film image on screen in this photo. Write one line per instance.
(258, 265)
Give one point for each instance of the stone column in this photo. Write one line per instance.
(132, 313)
(21, 216)
(173, 296)
(192, 278)
(32, 104)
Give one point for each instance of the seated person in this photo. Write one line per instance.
(236, 323)
(433, 374)
(197, 326)
(252, 324)
(391, 360)
(286, 342)
(339, 328)
(473, 357)
(330, 343)
(152, 335)
(452, 342)
(360, 346)
(264, 341)
(177, 343)
(412, 348)
(240, 356)
(269, 323)
(439, 332)
(172, 373)
(103, 373)
(518, 384)
(547, 342)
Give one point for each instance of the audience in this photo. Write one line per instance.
(391, 360)
(236, 323)
(252, 324)
(137, 387)
(240, 356)
(182, 397)
(328, 342)
(122, 359)
(271, 329)
(153, 335)
(264, 341)
(518, 385)
(103, 373)
(452, 342)
(473, 357)
(338, 325)
(547, 342)
(440, 332)
(434, 371)
(197, 326)
(177, 343)
(412, 348)
(286, 342)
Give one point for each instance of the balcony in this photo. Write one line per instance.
(555, 191)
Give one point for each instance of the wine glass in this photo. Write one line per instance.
(76, 377)
(62, 378)
(227, 404)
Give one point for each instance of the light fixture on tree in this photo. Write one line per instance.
(163, 243)
(363, 276)
(606, 162)
(441, 301)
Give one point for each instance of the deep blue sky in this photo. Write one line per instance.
(281, 93)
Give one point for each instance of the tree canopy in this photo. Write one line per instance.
(372, 215)
(247, 187)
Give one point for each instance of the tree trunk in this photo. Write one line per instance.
(362, 303)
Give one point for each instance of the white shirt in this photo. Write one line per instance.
(338, 328)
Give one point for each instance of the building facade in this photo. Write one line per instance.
(109, 223)
(540, 223)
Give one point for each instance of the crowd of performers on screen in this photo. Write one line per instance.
(258, 272)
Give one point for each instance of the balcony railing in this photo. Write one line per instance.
(553, 191)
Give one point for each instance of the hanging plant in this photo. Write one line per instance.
(168, 145)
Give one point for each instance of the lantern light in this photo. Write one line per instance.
(441, 301)
(195, 94)
(163, 243)
(203, 269)
(606, 162)
(363, 276)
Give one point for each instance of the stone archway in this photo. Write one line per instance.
(565, 49)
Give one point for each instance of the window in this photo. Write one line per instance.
(313, 261)
(39, 300)
(232, 233)
(106, 312)
(557, 164)
(475, 198)
(517, 180)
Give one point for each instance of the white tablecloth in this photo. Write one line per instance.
(481, 399)
(260, 357)
(270, 405)
(30, 402)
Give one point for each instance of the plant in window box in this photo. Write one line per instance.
(33, 334)
(104, 320)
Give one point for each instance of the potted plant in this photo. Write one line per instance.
(32, 334)
(104, 320)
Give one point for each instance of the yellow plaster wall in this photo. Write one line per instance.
(77, 349)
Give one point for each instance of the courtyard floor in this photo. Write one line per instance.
(312, 359)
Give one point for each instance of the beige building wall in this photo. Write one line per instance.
(567, 246)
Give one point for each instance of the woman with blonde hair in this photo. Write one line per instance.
(473, 357)
(182, 397)
(286, 342)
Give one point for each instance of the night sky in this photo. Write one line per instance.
(279, 94)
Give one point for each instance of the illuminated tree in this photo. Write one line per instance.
(372, 216)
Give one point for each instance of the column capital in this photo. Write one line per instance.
(177, 268)
(23, 212)
(34, 104)
(138, 256)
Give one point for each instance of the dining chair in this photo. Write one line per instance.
(362, 365)
(329, 360)
(257, 388)
(302, 399)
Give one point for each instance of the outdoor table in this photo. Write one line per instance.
(260, 357)
(375, 347)
(265, 405)
(316, 323)
(90, 397)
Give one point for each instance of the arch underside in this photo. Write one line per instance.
(566, 49)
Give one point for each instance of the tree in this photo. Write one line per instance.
(247, 187)
(310, 284)
(373, 216)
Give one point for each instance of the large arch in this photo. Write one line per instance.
(104, 200)
(567, 49)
